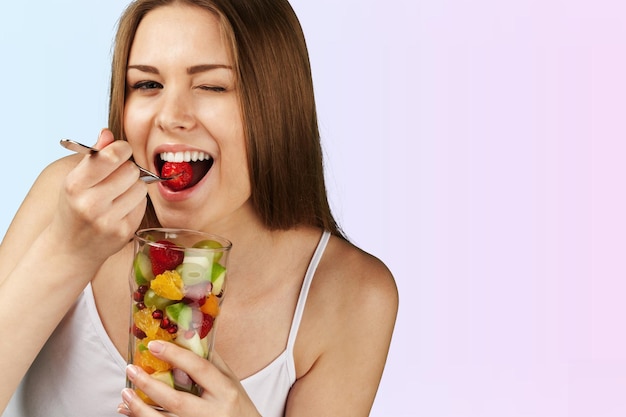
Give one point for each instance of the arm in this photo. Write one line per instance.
(55, 245)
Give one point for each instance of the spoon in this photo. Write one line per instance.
(146, 176)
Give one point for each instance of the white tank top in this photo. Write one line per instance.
(56, 387)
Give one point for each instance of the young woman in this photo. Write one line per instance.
(306, 324)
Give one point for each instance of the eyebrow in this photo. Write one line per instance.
(191, 70)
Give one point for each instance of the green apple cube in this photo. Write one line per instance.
(198, 346)
(181, 314)
(143, 269)
(211, 244)
(218, 275)
(194, 258)
(165, 377)
(193, 273)
(152, 299)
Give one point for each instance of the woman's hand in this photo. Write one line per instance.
(223, 395)
(101, 203)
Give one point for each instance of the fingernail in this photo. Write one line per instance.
(155, 346)
(128, 395)
(123, 409)
(132, 372)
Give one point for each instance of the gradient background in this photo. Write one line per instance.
(476, 147)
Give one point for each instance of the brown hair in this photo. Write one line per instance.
(277, 102)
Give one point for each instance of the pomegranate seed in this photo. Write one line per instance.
(165, 323)
(172, 329)
(137, 296)
(138, 333)
(142, 289)
(141, 306)
(157, 314)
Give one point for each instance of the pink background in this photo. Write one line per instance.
(474, 146)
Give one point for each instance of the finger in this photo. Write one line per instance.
(203, 372)
(120, 181)
(108, 198)
(123, 409)
(134, 406)
(96, 167)
(104, 138)
(177, 402)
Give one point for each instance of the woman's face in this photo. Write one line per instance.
(182, 111)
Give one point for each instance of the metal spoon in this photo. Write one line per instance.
(146, 176)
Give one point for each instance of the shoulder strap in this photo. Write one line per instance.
(304, 291)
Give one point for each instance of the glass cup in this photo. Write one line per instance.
(177, 286)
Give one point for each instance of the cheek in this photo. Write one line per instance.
(136, 127)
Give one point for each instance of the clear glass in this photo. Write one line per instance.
(177, 283)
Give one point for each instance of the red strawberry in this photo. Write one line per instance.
(164, 258)
(207, 325)
(183, 180)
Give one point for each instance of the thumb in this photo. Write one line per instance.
(104, 138)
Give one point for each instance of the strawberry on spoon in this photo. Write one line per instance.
(184, 172)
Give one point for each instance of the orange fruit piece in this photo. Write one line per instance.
(168, 285)
(211, 306)
(151, 327)
(150, 363)
(143, 319)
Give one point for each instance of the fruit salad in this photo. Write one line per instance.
(177, 293)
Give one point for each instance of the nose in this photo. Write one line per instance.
(175, 112)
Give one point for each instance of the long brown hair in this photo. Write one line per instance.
(277, 102)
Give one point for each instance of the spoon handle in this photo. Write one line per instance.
(74, 146)
(146, 176)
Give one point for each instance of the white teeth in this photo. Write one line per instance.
(187, 156)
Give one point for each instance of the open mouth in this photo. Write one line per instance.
(192, 165)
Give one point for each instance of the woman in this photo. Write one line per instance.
(307, 321)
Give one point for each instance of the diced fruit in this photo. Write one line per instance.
(218, 275)
(138, 333)
(211, 244)
(150, 363)
(164, 376)
(207, 325)
(152, 299)
(197, 293)
(195, 344)
(182, 381)
(165, 257)
(193, 273)
(194, 258)
(183, 180)
(145, 322)
(169, 284)
(211, 306)
(181, 314)
(143, 268)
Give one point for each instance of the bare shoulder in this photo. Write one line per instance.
(359, 279)
(353, 299)
(345, 334)
(36, 210)
(47, 185)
